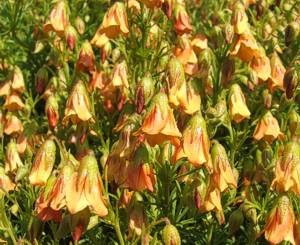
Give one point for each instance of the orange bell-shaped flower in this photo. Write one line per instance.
(261, 65)
(238, 109)
(280, 222)
(13, 102)
(113, 24)
(277, 73)
(43, 163)
(58, 19)
(78, 108)
(119, 76)
(159, 124)
(85, 188)
(196, 141)
(12, 159)
(140, 175)
(17, 80)
(223, 174)
(12, 124)
(268, 129)
(245, 47)
(287, 171)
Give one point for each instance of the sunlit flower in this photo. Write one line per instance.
(267, 128)
(238, 109)
(78, 106)
(5, 183)
(159, 124)
(261, 65)
(196, 141)
(58, 19)
(13, 102)
(12, 124)
(85, 188)
(86, 59)
(12, 158)
(182, 19)
(113, 24)
(280, 222)
(277, 73)
(223, 174)
(43, 163)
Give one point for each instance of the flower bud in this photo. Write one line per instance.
(113, 24)
(199, 43)
(17, 80)
(119, 75)
(176, 82)
(58, 19)
(276, 79)
(236, 219)
(171, 235)
(43, 163)
(167, 7)
(80, 25)
(238, 109)
(182, 20)
(290, 82)
(78, 106)
(41, 80)
(145, 91)
(228, 69)
(71, 37)
(267, 129)
(51, 110)
(228, 33)
(86, 59)
(116, 54)
(267, 96)
(249, 212)
(291, 32)
(105, 51)
(239, 19)
(13, 160)
(294, 123)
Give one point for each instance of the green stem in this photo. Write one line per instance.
(117, 227)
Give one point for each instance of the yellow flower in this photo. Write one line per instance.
(114, 23)
(238, 109)
(78, 108)
(13, 160)
(277, 73)
(267, 128)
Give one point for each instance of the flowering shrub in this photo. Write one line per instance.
(149, 122)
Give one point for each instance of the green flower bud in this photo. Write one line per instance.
(236, 219)
(171, 235)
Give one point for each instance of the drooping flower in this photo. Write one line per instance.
(239, 19)
(159, 124)
(280, 222)
(12, 158)
(196, 141)
(58, 19)
(277, 73)
(267, 129)
(245, 47)
(223, 174)
(140, 173)
(85, 188)
(119, 76)
(13, 102)
(238, 109)
(182, 19)
(199, 43)
(78, 108)
(287, 170)
(113, 24)
(43, 163)
(261, 65)
(17, 80)
(12, 124)
(86, 59)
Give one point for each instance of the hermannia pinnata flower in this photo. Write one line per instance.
(43, 163)
(13, 160)
(78, 108)
(85, 188)
(113, 24)
(238, 109)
